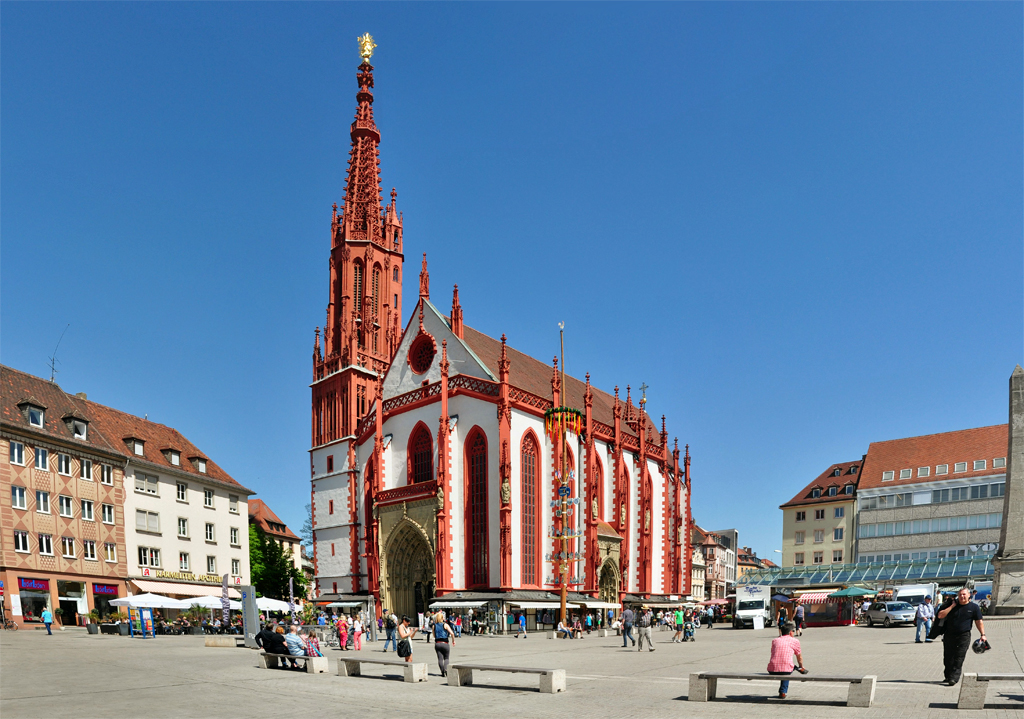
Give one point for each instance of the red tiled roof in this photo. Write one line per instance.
(17, 386)
(965, 445)
(849, 472)
(534, 376)
(264, 516)
(107, 427)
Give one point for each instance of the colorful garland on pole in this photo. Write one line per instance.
(559, 420)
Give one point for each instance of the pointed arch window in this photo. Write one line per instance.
(375, 290)
(357, 295)
(476, 510)
(528, 479)
(421, 456)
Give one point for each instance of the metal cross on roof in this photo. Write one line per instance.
(643, 398)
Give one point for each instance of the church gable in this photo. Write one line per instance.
(418, 358)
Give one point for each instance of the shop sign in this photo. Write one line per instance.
(104, 589)
(188, 576)
(41, 585)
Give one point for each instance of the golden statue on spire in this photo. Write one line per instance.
(366, 45)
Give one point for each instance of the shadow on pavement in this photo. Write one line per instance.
(761, 699)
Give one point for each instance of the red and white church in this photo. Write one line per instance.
(431, 469)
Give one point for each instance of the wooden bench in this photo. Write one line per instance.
(974, 687)
(314, 665)
(551, 680)
(413, 671)
(704, 685)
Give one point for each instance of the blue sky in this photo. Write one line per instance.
(800, 224)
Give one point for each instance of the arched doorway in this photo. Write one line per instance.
(608, 583)
(409, 571)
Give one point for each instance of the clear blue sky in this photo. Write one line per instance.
(800, 224)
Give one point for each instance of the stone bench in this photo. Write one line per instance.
(413, 671)
(225, 640)
(551, 680)
(314, 665)
(974, 687)
(555, 634)
(704, 685)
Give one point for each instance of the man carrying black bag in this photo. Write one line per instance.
(957, 616)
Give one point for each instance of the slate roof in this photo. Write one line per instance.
(108, 427)
(534, 376)
(849, 473)
(965, 445)
(266, 520)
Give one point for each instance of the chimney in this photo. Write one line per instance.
(81, 395)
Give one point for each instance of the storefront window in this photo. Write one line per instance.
(34, 597)
(101, 596)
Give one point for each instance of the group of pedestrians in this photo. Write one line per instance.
(274, 639)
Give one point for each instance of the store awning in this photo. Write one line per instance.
(440, 605)
(817, 598)
(598, 605)
(540, 605)
(186, 590)
(345, 604)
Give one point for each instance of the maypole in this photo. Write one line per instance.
(557, 421)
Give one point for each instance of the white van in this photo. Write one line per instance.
(752, 601)
(914, 594)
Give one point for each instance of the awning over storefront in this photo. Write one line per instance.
(344, 604)
(187, 590)
(598, 605)
(539, 605)
(817, 598)
(442, 605)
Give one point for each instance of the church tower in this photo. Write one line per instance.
(362, 329)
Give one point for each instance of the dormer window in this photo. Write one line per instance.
(33, 410)
(816, 492)
(837, 472)
(80, 429)
(833, 491)
(139, 447)
(199, 463)
(853, 469)
(173, 457)
(848, 489)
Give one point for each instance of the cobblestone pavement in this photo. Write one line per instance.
(79, 675)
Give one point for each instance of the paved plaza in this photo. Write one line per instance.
(79, 675)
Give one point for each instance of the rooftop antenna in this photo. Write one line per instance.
(53, 358)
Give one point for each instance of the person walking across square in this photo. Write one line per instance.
(627, 627)
(923, 619)
(784, 648)
(47, 620)
(390, 629)
(956, 633)
(644, 622)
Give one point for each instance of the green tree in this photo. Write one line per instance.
(272, 567)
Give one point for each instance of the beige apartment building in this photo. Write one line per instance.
(818, 525)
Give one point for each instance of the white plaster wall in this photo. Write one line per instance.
(400, 377)
(170, 509)
(400, 426)
(658, 558)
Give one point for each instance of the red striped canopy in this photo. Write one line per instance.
(818, 598)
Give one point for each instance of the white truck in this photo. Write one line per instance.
(752, 601)
(914, 594)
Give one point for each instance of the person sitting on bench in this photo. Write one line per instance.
(784, 648)
(562, 631)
